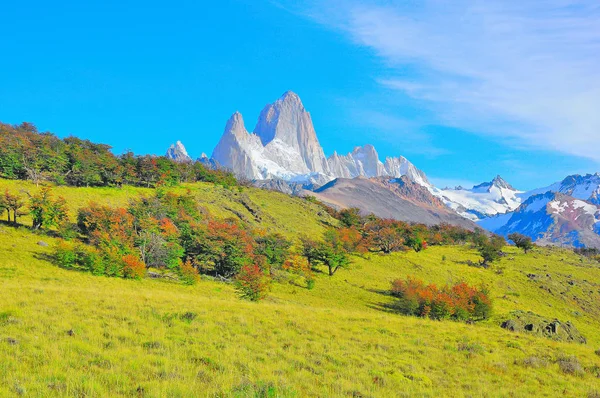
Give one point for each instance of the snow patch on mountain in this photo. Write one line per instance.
(551, 218)
(483, 200)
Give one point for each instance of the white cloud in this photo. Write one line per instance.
(525, 71)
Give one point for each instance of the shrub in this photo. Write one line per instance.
(65, 254)
(225, 249)
(533, 362)
(133, 267)
(91, 260)
(350, 217)
(189, 274)
(459, 302)
(570, 365)
(385, 236)
(252, 283)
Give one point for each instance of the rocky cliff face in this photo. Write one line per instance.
(283, 146)
(285, 127)
(364, 162)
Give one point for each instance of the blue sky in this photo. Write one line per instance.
(464, 89)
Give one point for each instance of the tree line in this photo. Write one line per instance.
(27, 154)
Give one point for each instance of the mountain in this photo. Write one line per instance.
(178, 153)
(551, 218)
(585, 187)
(483, 200)
(208, 162)
(285, 128)
(400, 199)
(284, 147)
(283, 153)
(364, 162)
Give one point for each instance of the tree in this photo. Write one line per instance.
(521, 241)
(224, 249)
(329, 253)
(350, 217)
(12, 203)
(46, 211)
(4, 206)
(274, 247)
(385, 235)
(252, 283)
(490, 249)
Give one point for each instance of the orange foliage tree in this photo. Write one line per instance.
(459, 301)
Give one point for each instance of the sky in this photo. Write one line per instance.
(465, 89)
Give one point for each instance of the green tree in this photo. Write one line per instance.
(329, 253)
(274, 247)
(351, 217)
(47, 211)
(490, 249)
(521, 241)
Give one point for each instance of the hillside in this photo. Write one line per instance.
(66, 333)
(400, 199)
(275, 211)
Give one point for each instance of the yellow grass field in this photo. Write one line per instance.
(66, 333)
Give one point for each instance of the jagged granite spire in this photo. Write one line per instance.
(178, 153)
(287, 121)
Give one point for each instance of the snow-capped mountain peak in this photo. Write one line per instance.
(483, 200)
(552, 218)
(284, 145)
(178, 153)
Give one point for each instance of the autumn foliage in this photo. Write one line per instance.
(252, 283)
(459, 302)
(133, 267)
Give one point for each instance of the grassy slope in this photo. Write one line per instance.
(267, 210)
(133, 337)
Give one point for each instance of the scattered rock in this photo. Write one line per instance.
(528, 322)
(12, 341)
(42, 243)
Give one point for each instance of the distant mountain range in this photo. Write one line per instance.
(283, 153)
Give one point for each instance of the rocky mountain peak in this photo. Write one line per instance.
(286, 126)
(235, 124)
(497, 182)
(178, 153)
(501, 183)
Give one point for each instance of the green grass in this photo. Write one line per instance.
(65, 333)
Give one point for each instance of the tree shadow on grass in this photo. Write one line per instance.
(388, 308)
